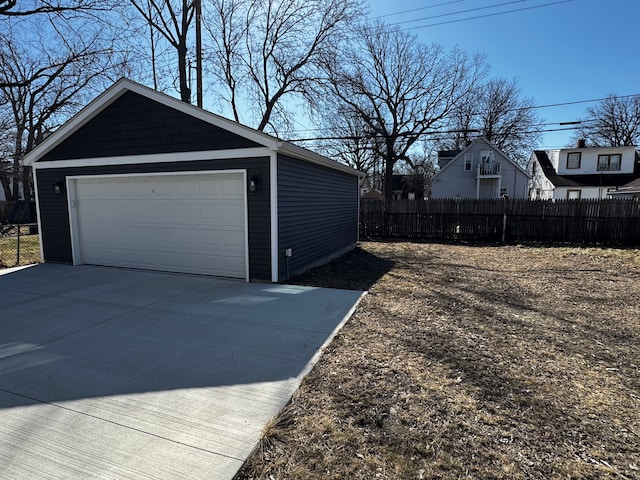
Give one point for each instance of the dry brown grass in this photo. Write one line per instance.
(29, 250)
(471, 362)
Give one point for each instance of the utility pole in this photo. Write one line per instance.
(198, 52)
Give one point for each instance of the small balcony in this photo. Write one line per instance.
(489, 170)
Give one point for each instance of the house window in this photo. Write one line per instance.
(486, 156)
(467, 162)
(573, 194)
(609, 162)
(573, 160)
(533, 168)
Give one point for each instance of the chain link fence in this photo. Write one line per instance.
(19, 245)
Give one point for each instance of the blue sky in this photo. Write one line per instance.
(572, 51)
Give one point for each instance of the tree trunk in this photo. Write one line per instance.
(388, 186)
(185, 90)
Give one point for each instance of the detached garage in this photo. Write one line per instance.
(139, 179)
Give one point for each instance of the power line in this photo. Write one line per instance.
(576, 102)
(532, 107)
(459, 12)
(432, 133)
(490, 15)
(417, 9)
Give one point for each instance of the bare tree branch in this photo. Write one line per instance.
(399, 88)
(40, 88)
(265, 51)
(17, 8)
(172, 20)
(613, 122)
(497, 111)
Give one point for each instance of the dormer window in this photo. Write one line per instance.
(573, 160)
(608, 163)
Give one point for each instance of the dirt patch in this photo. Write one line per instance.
(471, 362)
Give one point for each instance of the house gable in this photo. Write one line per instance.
(134, 124)
(459, 177)
(474, 147)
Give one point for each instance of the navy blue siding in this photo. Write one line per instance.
(136, 125)
(317, 214)
(54, 218)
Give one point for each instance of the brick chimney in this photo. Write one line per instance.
(582, 143)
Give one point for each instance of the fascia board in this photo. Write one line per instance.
(157, 158)
(309, 156)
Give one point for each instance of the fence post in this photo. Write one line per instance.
(507, 210)
(504, 227)
(18, 248)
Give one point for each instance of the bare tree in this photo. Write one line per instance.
(400, 89)
(228, 27)
(613, 122)
(6, 149)
(348, 142)
(265, 51)
(172, 19)
(497, 111)
(40, 87)
(46, 12)
(22, 8)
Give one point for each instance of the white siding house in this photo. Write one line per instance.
(629, 191)
(581, 172)
(479, 171)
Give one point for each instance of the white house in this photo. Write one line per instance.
(479, 171)
(628, 191)
(581, 172)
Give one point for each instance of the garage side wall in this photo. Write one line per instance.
(54, 219)
(317, 214)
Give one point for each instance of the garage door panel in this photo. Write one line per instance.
(183, 223)
(165, 188)
(208, 214)
(229, 216)
(207, 189)
(124, 189)
(124, 211)
(231, 238)
(231, 186)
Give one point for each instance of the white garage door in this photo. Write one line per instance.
(191, 223)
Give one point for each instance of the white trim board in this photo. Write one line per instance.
(273, 184)
(157, 158)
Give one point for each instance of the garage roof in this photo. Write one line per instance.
(124, 85)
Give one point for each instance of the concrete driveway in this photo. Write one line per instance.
(118, 374)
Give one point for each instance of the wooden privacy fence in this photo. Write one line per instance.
(604, 222)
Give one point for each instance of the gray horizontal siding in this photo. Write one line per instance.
(136, 125)
(317, 214)
(54, 218)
